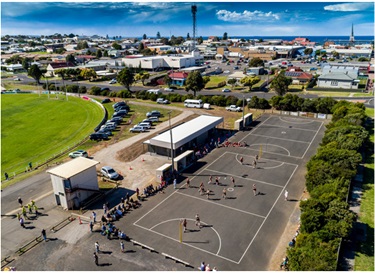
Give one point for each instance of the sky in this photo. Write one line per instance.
(133, 19)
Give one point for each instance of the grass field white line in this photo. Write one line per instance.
(222, 257)
(193, 220)
(263, 168)
(254, 129)
(265, 158)
(249, 179)
(265, 219)
(173, 193)
(285, 139)
(221, 205)
(308, 147)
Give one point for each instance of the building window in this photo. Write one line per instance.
(334, 83)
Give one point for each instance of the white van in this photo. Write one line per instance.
(154, 91)
(145, 125)
(207, 106)
(193, 103)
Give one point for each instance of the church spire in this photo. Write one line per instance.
(351, 40)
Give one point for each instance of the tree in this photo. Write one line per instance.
(35, 73)
(141, 47)
(126, 77)
(116, 46)
(99, 53)
(194, 82)
(105, 53)
(70, 58)
(82, 45)
(206, 79)
(167, 80)
(256, 62)
(232, 82)
(88, 73)
(250, 81)
(225, 36)
(144, 37)
(158, 35)
(200, 40)
(142, 76)
(26, 63)
(188, 36)
(308, 51)
(280, 84)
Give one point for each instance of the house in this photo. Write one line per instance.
(299, 77)
(343, 80)
(74, 182)
(178, 77)
(14, 67)
(52, 67)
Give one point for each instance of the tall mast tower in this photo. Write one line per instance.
(194, 13)
(351, 39)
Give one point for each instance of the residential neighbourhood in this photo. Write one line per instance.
(234, 137)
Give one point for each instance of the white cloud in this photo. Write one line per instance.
(245, 16)
(350, 7)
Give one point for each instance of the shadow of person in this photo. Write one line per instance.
(106, 252)
(129, 251)
(104, 264)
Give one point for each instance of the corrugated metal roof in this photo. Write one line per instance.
(73, 167)
(186, 132)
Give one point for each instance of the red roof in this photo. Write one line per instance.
(61, 65)
(178, 75)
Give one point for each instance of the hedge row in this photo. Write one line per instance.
(326, 217)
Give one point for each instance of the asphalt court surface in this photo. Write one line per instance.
(232, 227)
(284, 135)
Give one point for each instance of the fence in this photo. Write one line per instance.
(295, 114)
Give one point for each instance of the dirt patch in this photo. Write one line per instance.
(134, 151)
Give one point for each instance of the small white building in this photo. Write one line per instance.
(74, 182)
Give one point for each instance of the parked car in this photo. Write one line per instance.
(104, 89)
(113, 81)
(225, 90)
(145, 125)
(233, 108)
(168, 90)
(147, 120)
(109, 172)
(78, 153)
(138, 129)
(106, 100)
(17, 79)
(153, 113)
(98, 136)
(118, 104)
(122, 107)
(153, 119)
(116, 120)
(105, 131)
(162, 101)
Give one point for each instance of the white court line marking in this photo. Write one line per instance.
(254, 129)
(243, 255)
(266, 152)
(267, 144)
(222, 257)
(295, 122)
(308, 147)
(249, 179)
(278, 138)
(293, 128)
(173, 192)
(179, 219)
(214, 203)
(263, 158)
(263, 168)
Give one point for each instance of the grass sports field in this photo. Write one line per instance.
(35, 128)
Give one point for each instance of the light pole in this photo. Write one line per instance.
(243, 112)
(170, 131)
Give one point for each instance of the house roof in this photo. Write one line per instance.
(336, 76)
(178, 75)
(298, 75)
(73, 167)
(62, 65)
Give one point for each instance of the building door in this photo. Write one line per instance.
(58, 202)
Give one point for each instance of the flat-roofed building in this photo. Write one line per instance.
(186, 136)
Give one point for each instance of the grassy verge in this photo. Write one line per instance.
(215, 80)
(364, 259)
